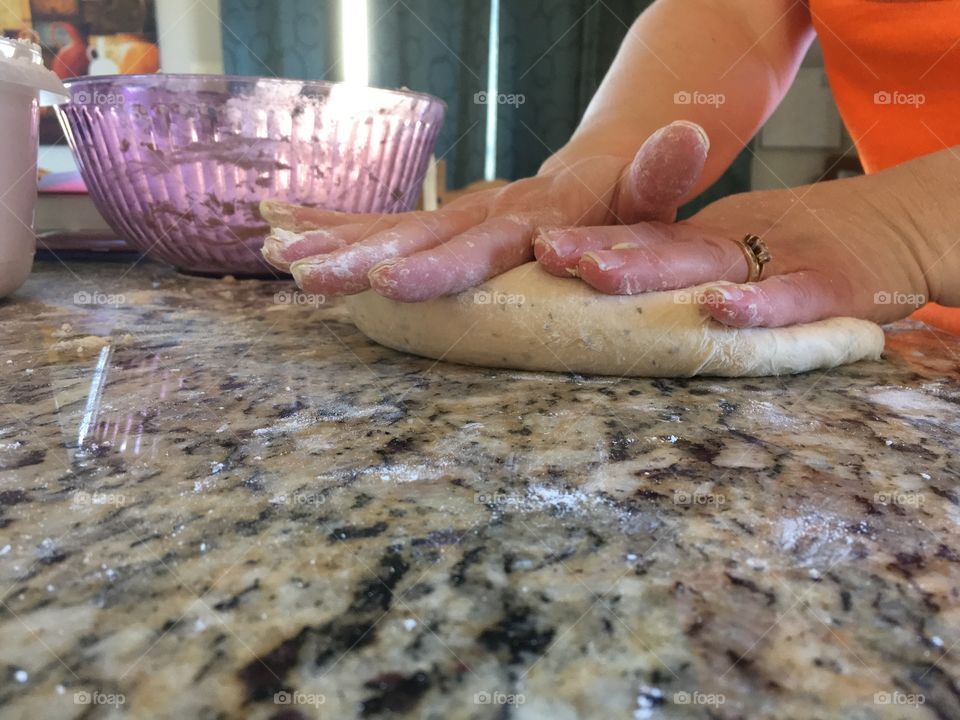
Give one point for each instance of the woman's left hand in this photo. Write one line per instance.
(841, 248)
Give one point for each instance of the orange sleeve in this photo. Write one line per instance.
(894, 68)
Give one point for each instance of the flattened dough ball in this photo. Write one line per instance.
(527, 319)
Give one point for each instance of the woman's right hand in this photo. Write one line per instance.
(418, 256)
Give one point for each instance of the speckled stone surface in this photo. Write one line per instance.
(243, 497)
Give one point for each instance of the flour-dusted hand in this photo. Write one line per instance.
(417, 256)
(875, 247)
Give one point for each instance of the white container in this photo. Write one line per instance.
(25, 84)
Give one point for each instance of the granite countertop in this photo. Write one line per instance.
(241, 496)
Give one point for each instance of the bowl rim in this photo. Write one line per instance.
(162, 77)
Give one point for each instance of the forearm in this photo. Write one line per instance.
(732, 59)
(929, 188)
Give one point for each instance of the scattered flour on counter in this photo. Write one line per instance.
(911, 403)
(90, 344)
(561, 498)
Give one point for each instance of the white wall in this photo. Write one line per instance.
(809, 123)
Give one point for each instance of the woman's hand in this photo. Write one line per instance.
(417, 256)
(862, 247)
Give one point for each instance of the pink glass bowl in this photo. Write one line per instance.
(178, 164)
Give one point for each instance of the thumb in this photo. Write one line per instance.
(662, 174)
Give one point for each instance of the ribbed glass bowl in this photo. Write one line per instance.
(178, 164)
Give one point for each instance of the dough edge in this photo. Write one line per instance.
(527, 319)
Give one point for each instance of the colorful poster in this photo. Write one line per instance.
(93, 37)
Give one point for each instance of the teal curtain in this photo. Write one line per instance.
(552, 52)
(439, 48)
(281, 38)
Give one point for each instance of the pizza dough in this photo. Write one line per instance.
(527, 319)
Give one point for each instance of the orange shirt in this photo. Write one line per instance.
(894, 67)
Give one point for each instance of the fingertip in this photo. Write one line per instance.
(382, 277)
(301, 273)
(604, 260)
(593, 270)
(271, 253)
(541, 247)
(737, 306)
(553, 254)
(275, 212)
(701, 133)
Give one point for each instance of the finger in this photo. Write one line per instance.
(467, 260)
(298, 218)
(666, 267)
(559, 251)
(284, 247)
(344, 271)
(799, 297)
(663, 173)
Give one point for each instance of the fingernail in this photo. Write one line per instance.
(276, 212)
(284, 238)
(381, 268)
(719, 294)
(277, 244)
(625, 246)
(300, 270)
(560, 242)
(605, 260)
(703, 133)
